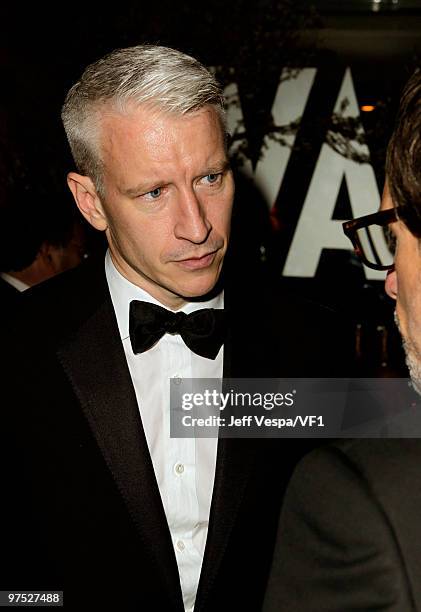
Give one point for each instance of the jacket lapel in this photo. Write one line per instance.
(235, 461)
(95, 363)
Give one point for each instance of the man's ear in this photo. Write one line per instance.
(87, 200)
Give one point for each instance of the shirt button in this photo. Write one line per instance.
(179, 468)
(177, 379)
(180, 545)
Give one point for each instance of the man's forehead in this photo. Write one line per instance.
(151, 114)
(146, 146)
(145, 126)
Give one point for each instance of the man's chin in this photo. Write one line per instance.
(201, 293)
(412, 360)
(201, 287)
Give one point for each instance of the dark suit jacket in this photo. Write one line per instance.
(349, 536)
(83, 502)
(9, 297)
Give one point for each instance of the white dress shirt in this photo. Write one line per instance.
(184, 467)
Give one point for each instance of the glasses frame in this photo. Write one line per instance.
(381, 218)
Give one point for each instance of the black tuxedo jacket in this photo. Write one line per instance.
(349, 534)
(9, 298)
(83, 511)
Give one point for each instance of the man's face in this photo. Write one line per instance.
(403, 284)
(168, 198)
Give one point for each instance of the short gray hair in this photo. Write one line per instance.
(145, 74)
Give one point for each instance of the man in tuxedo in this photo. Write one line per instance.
(106, 505)
(348, 536)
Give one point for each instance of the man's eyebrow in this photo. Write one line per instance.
(143, 187)
(220, 166)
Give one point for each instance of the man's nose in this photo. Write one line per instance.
(391, 284)
(191, 221)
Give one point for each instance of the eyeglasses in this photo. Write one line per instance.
(372, 239)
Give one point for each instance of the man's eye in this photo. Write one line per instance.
(155, 193)
(213, 178)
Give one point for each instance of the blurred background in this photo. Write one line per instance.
(312, 91)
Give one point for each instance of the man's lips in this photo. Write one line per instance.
(197, 263)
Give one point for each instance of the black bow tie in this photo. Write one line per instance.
(203, 331)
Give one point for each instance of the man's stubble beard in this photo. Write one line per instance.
(412, 358)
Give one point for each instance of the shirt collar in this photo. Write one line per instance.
(15, 282)
(123, 292)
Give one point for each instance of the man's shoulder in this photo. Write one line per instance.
(63, 301)
(281, 333)
(87, 275)
(387, 468)
(369, 454)
(387, 462)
